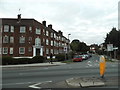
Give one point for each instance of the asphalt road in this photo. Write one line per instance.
(24, 77)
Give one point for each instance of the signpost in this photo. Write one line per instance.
(110, 48)
(102, 66)
(65, 50)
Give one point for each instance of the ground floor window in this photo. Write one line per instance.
(5, 50)
(30, 49)
(11, 50)
(22, 50)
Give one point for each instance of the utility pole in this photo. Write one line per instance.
(68, 45)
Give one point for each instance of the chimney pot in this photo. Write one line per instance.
(50, 26)
(19, 17)
(44, 23)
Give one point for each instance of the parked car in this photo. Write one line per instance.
(77, 58)
(84, 57)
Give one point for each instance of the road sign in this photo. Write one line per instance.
(65, 48)
(102, 65)
(109, 47)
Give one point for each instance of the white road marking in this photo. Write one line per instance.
(18, 83)
(35, 85)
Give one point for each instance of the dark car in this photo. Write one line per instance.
(77, 58)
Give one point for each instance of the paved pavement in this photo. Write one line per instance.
(33, 65)
(80, 82)
(85, 82)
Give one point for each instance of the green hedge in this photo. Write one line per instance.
(60, 57)
(14, 61)
(38, 59)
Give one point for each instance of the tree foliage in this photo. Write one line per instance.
(78, 46)
(113, 37)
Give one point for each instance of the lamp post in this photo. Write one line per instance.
(68, 45)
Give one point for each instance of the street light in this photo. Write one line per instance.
(68, 35)
(68, 45)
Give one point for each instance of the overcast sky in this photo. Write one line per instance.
(86, 20)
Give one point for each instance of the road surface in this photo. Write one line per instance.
(24, 77)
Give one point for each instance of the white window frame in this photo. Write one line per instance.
(23, 52)
(38, 31)
(11, 50)
(22, 39)
(51, 42)
(6, 28)
(52, 34)
(22, 29)
(30, 29)
(47, 51)
(11, 28)
(47, 33)
(5, 39)
(11, 39)
(54, 43)
(37, 41)
(52, 51)
(47, 42)
(5, 51)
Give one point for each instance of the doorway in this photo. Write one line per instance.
(37, 52)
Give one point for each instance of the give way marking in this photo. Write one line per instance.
(36, 85)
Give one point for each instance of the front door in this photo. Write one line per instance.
(37, 52)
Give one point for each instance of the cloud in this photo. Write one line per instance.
(84, 19)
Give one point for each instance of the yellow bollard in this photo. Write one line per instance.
(102, 65)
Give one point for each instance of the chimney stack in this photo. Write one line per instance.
(44, 23)
(19, 17)
(50, 26)
(60, 33)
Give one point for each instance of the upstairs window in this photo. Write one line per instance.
(11, 39)
(22, 39)
(22, 29)
(47, 33)
(54, 35)
(38, 31)
(6, 28)
(37, 41)
(12, 29)
(5, 39)
(51, 35)
(47, 42)
(30, 29)
(51, 43)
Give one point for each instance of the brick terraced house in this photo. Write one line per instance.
(28, 38)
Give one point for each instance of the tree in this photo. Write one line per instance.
(78, 46)
(113, 37)
(75, 45)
